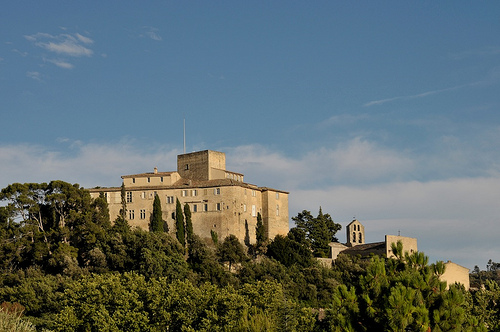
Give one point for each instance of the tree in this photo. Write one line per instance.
(291, 249)
(231, 251)
(156, 224)
(247, 235)
(320, 231)
(123, 210)
(189, 223)
(179, 223)
(260, 231)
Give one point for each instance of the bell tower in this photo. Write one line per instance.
(355, 233)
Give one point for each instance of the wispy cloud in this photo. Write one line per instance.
(420, 95)
(60, 63)
(66, 45)
(152, 33)
(343, 119)
(34, 75)
(483, 52)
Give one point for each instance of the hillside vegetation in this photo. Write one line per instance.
(66, 267)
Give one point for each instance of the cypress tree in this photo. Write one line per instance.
(247, 234)
(179, 223)
(156, 224)
(189, 224)
(123, 211)
(260, 231)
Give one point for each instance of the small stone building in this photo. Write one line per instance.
(220, 201)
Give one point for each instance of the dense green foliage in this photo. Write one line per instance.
(319, 231)
(67, 268)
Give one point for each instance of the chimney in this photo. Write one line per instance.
(156, 170)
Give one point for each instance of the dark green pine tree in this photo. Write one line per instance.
(179, 223)
(156, 224)
(189, 223)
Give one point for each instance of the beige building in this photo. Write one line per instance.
(219, 199)
(355, 245)
(454, 273)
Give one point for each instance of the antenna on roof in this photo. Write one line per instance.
(184, 125)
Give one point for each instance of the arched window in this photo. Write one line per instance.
(360, 238)
(353, 237)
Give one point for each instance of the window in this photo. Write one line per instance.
(194, 192)
(218, 206)
(360, 238)
(133, 180)
(253, 193)
(149, 180)
(143, 195)
(195, 208)
(205, 207)
(129, 197)
(353, 237)
(143, 214)
(131, 214)
(254, 211)
(277, 195)
(170, 199)
(277, 210)
(161, 179)
(216, 191)
(244, 208)
(186, 167)
(184, 193)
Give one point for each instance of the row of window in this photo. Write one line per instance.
(194, 193)
(149, 179)
(204, 208)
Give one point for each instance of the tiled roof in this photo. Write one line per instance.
(149, 174)
(366, 249)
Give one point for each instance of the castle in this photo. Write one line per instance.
(220, 201)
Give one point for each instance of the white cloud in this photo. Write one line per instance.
(83, 39)
(356, 160)
(70, 45)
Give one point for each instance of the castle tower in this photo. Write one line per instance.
(202, 165)
(355, 233)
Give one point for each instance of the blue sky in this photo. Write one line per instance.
(385, 111)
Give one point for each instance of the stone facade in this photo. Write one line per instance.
(219, 200)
